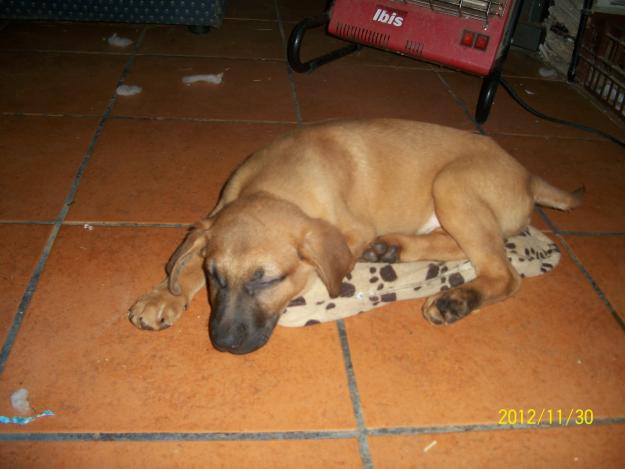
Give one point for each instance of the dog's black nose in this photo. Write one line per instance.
(227, 344)
(230, 340)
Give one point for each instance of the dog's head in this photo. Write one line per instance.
(259, 253)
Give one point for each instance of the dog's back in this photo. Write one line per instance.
(382, 170)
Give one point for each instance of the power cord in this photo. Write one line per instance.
(513, 94)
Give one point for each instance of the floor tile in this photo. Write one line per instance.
(553, 345)
(604, 258)
(339, 90)
(570, 164)
(254, 90)
(523, 63)
(40, 157)
(20, 248)
(88, 37)
(235, 38)
(164, 171)
(78, 355)
(58, 83)
(554, 98)
(580, 447)
(257, 454)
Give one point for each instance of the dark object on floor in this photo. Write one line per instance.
(530, 30)
(203, 13)
(598, 60)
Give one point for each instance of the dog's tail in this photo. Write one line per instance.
(547, 195)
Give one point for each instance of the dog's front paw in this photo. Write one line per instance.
(156, 310)
(381, 251)
(451, 305)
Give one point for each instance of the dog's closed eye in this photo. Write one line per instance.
(259, 282)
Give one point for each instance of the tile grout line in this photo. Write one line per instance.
(581, 137)
(148, 224)
(125, 224)
(103, 224)
(208, 120)
(486, 427)
(460, 102)
(362, 434)
(200, 56)
(27, 222)
(211, 120)
(143, 54)
(301, 435)
(58, 223)
(591, 233)
(296, 105)
(47, 114)
(182, 436)
(585, 137)
(595, 286)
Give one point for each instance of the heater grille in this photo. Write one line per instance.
(478, 9)
(364, 35)
(413, 48)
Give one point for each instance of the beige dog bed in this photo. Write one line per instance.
(371, 285)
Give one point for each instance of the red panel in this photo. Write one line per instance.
(468, 37)
(419, 32)
(481, 42)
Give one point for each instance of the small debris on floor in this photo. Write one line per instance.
(547, 72)
(212, 78)
(87, 226)
(19, 401)
(430, 446)
(118, 41)
(128, 90)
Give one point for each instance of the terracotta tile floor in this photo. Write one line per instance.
(383, 389)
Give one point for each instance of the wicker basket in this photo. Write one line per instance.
(601, 68)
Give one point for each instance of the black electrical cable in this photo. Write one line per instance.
(513, 94)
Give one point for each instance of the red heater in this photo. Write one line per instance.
(468, 35)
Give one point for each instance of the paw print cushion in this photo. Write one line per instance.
(371, 285)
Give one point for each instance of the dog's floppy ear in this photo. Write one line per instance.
(193, 245)
(325, 248)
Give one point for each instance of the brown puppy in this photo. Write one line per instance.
(316, 200)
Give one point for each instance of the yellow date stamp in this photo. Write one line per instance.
(546, 416)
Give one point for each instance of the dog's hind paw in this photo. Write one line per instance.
(380, 251)
(451, 305)
(156, 310)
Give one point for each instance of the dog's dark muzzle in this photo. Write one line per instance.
(239, 326)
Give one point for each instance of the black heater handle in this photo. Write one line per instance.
(295, 43)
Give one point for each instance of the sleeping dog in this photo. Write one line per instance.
(318, 199)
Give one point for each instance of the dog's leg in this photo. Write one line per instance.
(159, 308)
(473, 224)
(396, 247)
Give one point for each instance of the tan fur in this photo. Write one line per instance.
(311, 203)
